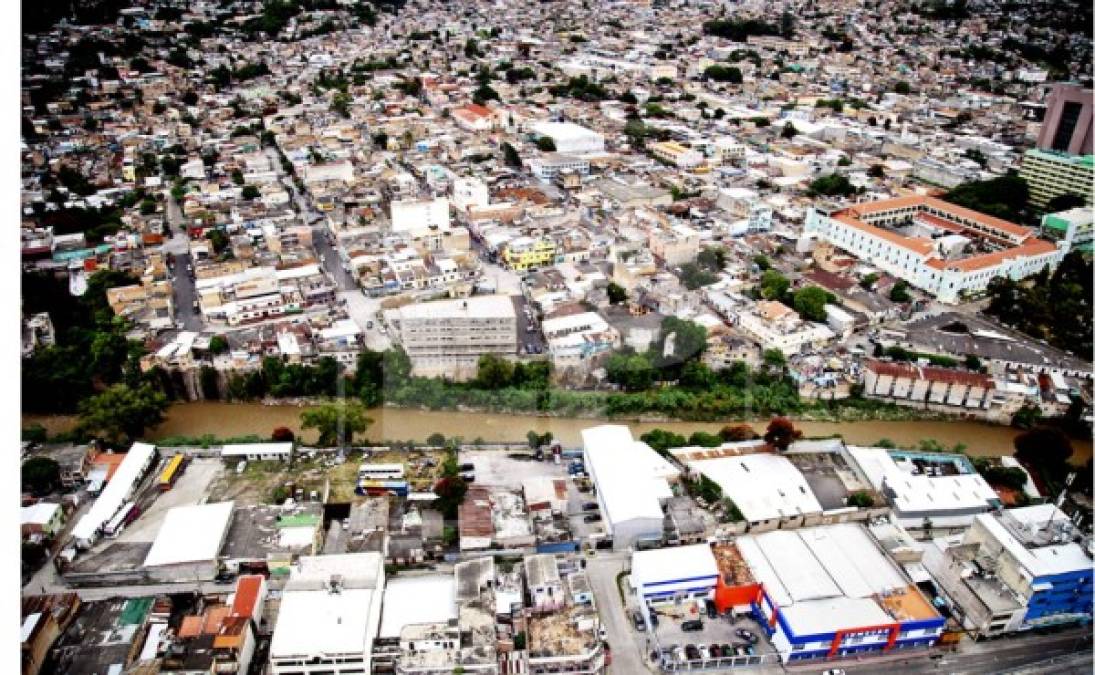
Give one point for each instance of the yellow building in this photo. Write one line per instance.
(525, 252)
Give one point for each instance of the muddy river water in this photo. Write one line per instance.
(238, 419)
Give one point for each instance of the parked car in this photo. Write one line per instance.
(654, 619)
(702, 649)
(590, 506)
(468, 477)
(691, 625)
(691, 652)
(715, 651)
(726, 650)
(593, 518)
(746, 635)
(712, 611)
(637, 619)
(467, 467)
(834, 671)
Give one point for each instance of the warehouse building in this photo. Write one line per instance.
(830, 591)
(122, 486)
(632, 483)
(929, 491)
(767, 488)
(189, 542)
(569, 138)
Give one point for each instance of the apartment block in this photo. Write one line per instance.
(446, 338)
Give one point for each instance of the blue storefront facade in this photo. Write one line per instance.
(1060, 598)
(842, 641)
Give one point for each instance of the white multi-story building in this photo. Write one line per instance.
(773, 325)
(329, 615)
(945, 250)
(419, 217)
(446, 338)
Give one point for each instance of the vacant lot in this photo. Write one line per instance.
(324, 474)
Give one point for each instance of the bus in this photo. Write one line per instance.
(382, 488)
(380, 472)
(116, 524)
(171, 472)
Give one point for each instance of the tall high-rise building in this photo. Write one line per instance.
(1068, 122)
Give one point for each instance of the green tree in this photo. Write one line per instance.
(546, 144)
(1026, 417)
(810, 303)
(861, 499)
(250, 192)
(902, 87)
(719, 73)
(494, 372)
(34, 433)
(661, 441)
(633, 372)
(337, 423)
(773, 285)
(436, 440)
(789, 130)
(616, 294)
(40, 475)
(832, 185)
(218, 344)
(900, 291)
(121, 414)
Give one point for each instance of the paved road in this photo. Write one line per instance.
(626, 655)
(1028, 653)
(330, 259)
(185, 294)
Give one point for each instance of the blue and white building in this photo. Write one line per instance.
(831, 592)
(1015, 570)
(674, 574)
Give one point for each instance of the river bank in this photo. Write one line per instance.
(240, 419)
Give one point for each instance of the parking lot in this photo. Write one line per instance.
(736, 641)
(496, 467)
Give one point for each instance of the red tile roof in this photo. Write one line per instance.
(247, 594)
(930, 373)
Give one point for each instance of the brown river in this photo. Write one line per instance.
(239, 419)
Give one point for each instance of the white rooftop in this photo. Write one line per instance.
(475, 307)
(314, 621)
(1039, 561)
(190, 534)
(114, 494)
(920, 493)
(38, 514)
(677, 562)
(419, 599)
(764, 486)
(631, 478)
(817, 563)
(237, 449)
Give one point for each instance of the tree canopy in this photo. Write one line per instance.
(337, 423)
(121, 414)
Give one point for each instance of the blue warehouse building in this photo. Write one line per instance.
(832, 592)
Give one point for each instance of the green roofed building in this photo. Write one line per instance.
(1051, 174)
(1073, 226)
